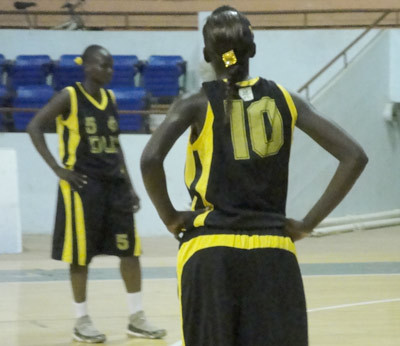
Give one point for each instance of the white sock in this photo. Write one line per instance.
(135, 302)
(80, 309)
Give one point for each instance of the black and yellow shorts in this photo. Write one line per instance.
(95, 220)
(240, 289)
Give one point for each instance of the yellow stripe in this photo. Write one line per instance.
(291, 105)
(245, 83)
(60, 131)
(104, 99)
(113, 98)
(72, 124)
(80, 229)
(67, 254)
(138, 246)
(61, 124)
(204, 145)
(190, 166)
(245, 242)
(249, 82)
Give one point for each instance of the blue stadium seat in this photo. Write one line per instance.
(29, 70)
(67, 72)
(129, 98)
(125, 69)
(161, 75)
(3, 99)
(32, 96)
(2, 64)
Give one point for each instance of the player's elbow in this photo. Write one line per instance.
(358, 159)
(149, 161)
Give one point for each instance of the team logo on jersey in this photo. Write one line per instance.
(112, 124)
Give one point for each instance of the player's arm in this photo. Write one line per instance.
(58, 105)
(134, 195)
(181, 115)
(352, 160)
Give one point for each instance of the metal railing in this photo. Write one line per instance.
(342, 54)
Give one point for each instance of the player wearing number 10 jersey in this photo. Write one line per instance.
(239, 280)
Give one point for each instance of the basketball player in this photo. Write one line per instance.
(96, 199)
(239, 279)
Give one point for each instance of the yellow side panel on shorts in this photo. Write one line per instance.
(138, 246)
(80, 229)
(67, 254)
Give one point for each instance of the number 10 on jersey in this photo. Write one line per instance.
(265, 128)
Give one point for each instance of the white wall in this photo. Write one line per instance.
(395, 66)
(355, 100)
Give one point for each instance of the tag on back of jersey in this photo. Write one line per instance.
(246, 94)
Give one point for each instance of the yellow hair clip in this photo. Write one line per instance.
(251, 29)
(229, 58)
(78, 60)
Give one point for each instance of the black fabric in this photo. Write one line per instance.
(247, 193)
(235, 297)
(108, 218)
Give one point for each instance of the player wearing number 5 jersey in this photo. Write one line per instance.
(239, 280)
(96, 199)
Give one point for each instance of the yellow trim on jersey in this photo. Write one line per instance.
(190, 166)
(245, 83)
(238, 241)
(80, 229)
(113, 98)
(104, 99)
(291, 105)
(70, 124)
(67, 254)
(204, 146)
(138, 246)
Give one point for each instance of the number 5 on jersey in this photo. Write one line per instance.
(265, 127)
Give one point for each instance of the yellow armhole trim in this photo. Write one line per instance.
(209, 119)
(113, 98)
(292, 107)
(73, 104)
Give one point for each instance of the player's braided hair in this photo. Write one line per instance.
(229, 42)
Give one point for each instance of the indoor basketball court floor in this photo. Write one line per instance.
(352, 283)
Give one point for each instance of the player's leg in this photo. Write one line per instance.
(124, 242)
(73, 243)
(84, 330)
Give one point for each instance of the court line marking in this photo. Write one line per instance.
(179, 343)
(109, 280)
(342, 306)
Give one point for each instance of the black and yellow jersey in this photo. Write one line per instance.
(88, 136)
(237, 168)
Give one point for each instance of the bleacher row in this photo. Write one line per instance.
(29, 81)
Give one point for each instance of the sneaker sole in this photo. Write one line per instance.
(88, 341)
(144, 335)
